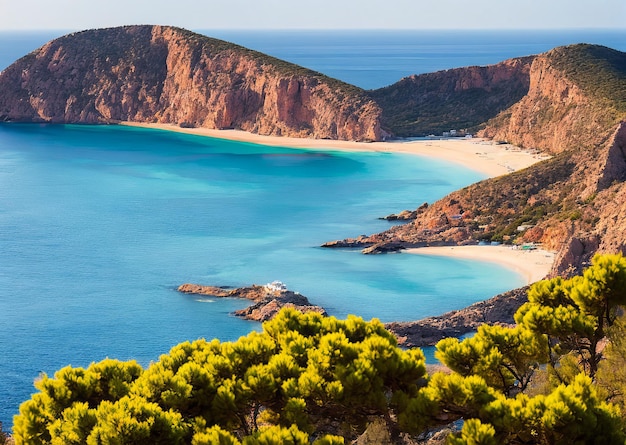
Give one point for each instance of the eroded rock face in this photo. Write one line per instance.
(460, 98)
(555, 115)
(169, 75)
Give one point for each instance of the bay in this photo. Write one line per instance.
(100, 224)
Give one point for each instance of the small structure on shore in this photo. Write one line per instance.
(267, 299)
(276, 286)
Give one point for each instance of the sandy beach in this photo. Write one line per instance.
(477, 154)
(484, 156)
(533, 265)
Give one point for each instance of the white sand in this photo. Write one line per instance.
(533, 265)
(483, 156)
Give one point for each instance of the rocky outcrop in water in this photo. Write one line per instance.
(160, 74)
(268, 299)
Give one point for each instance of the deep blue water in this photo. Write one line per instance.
(373, 59)
(98, 225)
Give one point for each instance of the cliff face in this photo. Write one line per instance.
(562, 111)
(461, 98)
(574, 202)
(169, 75)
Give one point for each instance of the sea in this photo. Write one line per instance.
(100, 224)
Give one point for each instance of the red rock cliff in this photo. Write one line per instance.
(559, 113)
(460, 98)
(169, 75)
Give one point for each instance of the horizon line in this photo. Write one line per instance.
(346, 29)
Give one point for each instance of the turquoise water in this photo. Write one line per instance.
(99, 225)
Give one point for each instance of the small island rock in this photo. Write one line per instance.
(268, 299)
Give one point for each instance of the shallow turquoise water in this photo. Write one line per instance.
(98, 225)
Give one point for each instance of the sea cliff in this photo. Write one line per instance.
(163, 74)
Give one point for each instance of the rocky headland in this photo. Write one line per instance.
(428, 331)
(267, 299)
(161, 74)
(572, 203)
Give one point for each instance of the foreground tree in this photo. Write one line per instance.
(563, 326)
(575, 314)
(312, 373)
(564, 322)
(611, 376)
(313, 379)
(506, 358)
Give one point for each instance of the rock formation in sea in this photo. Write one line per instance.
(268, 299)
(160, 74)
(573, 203)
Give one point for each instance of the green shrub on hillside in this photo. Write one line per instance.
(598, 70)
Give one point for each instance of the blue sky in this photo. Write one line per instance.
(321, 14)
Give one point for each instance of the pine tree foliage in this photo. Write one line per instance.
(312, 379)
(506, 358)
(611, 377)
(576, 313)
(303, 374)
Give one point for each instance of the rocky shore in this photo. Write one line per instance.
(428, 331)
(268, 299)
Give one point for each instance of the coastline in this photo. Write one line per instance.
(533, 265)
(487, 157)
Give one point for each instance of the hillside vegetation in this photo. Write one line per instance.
(459, 99)
(598, 70)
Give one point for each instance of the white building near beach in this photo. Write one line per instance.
(276, 286)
